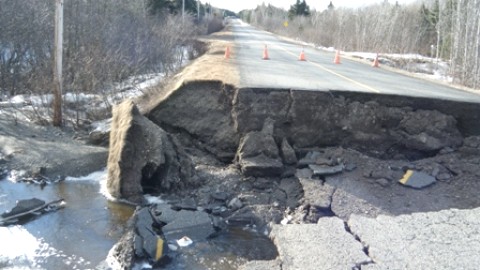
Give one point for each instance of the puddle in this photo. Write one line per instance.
(225, 251)
(80, 235)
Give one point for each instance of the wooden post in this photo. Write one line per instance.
(57, 67)
(183, 11)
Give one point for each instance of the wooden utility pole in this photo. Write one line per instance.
(183, 10)
(198, 10)
(57, 67)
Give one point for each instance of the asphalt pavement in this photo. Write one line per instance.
(448, 239)
(319, 72)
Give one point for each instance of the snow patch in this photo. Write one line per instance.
(97, 176)
(25, 251)
(153, 199)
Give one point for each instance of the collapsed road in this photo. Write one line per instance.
(336, 179)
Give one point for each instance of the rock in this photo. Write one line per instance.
(263, 184)
(305, 173)
(98, 137)
(220, 196)
(316, 193)
(219, 223)
(195, 225)
(288, 171)
(122, 254)
(383, 182)
(349, 167)
(185, 204)
(27, 209)
(294, 191)
(235, 204)
(310, 158)
(163, 213)
(326, 170)
(258, 153)
(416, 179)
(288, 154)
(443, 176)
(261, 166)
(141, 153)
(429, 131)
(243, 218)
(23, 206)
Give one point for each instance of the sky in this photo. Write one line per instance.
(237, 5)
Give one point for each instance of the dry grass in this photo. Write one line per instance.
(212, 66)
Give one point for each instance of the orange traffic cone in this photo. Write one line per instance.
(337, 58)
(302, 56)
(375, 62)
(227, 52)
(265, 53)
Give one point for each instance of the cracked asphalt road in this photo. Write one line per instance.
(319, 73)
(448, 239)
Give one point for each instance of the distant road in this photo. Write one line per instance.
(284, 70)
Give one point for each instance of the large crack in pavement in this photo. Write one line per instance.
(320, 160)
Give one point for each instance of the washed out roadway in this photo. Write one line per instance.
(445, 240)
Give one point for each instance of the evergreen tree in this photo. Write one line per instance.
(171, 6)
(300, 8)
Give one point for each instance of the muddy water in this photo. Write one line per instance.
(80, 235)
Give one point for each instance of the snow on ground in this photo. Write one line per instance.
(97, 176)
(80, 105)
(25, 251)
(427, 67)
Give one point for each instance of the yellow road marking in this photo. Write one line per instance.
(335, 73)
(406, 177)
(159, 252)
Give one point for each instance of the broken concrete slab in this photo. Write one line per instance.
(147, 242)
(195, 225)
(258, 153)
(261, 166)
(416, 179)
(326, 245)
(447, 239)
(141, 153)
(326, 170)
(185, 204)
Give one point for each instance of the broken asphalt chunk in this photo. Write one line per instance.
(416, 179)
(195, 225)
(326, 170)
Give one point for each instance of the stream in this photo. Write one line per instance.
(80, 235)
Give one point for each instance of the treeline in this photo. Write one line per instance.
(446, 29)
(105, 41)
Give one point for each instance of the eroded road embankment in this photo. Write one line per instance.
(385, 126)
(265, 157)
(277, 137)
